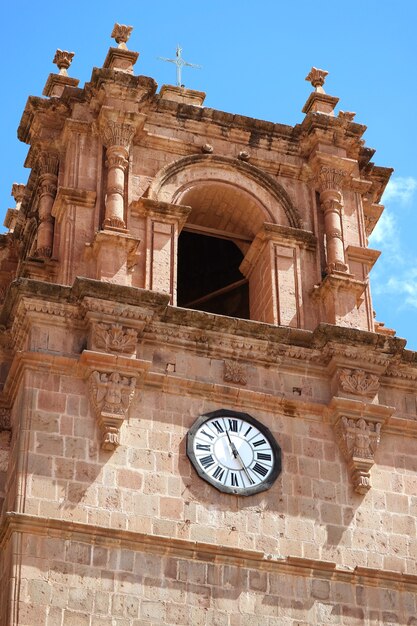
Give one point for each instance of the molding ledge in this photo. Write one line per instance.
(199, 551)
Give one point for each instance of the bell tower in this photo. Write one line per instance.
(200, 420)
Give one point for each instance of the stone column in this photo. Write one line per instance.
(117, 136)
(331, 199)
(48, 179)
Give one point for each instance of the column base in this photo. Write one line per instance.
(114, 252)
(340, 295)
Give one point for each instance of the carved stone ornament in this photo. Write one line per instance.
(358, 382)
(317, 77)
(358, 441)
(331, 178)
(234, 372)
(121, 34)
(111, 395)
(115, 338)
(115, 133)
(63, 60)
(18, 192)
(47, 163)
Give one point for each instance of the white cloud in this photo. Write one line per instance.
(405, 286)
(385, 232)
(400, 189)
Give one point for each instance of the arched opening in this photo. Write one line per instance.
(220, 228)
(208, 276)
(228, 253)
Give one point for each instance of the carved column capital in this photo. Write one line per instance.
(47, 162)
(331, 178)
(117, 132)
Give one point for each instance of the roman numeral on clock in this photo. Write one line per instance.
(259, 443)
(218, 427)
(260, 469)
(262, 456)
(218, 473)
(233, 425)
(203, 432)
(233, 480)
(204, 446)
(207, 461)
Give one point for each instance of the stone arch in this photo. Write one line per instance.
(267, 199)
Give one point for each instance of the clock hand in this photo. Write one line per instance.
(248, 476)
(232, 445)
(236, 454)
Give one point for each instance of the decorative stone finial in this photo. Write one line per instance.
(317, 77)
(63, 60)
(18, 192)
(121, 34)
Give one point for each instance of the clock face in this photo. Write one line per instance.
(234, 452)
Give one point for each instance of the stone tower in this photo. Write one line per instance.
(200, 421)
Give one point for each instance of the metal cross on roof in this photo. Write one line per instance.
(180, 63)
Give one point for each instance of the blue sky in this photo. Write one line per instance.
(255, 56)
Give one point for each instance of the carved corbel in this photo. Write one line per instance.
(111, 395)
(358, 439)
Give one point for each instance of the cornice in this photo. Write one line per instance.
(199, 551)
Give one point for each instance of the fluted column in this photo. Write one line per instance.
(48, 179)
(331, 199)
(117, 137)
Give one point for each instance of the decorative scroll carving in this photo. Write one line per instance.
(358, 382)
(121, 34)
(115, 338)
(358, 440)
(111, 395)
(234, 372)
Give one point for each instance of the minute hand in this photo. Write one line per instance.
(237, 456)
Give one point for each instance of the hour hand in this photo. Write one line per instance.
(232, 446)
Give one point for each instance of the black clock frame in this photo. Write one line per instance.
(248, 491)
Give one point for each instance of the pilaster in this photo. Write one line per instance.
(273, 267)
(163, 224)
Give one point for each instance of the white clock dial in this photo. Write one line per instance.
(234, 452)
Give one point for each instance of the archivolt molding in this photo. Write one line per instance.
(196, 168)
